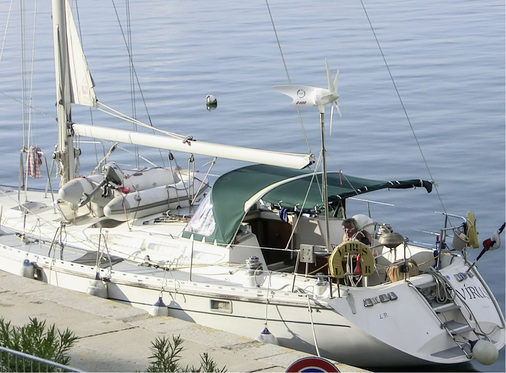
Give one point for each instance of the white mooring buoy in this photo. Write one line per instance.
(211, 102)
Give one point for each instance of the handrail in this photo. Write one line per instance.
(39, 360)
(442, 324)
(492, 298)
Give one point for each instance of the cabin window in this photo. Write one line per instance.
(224, 306)
(202, 221)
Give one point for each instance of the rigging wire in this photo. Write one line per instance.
(97, 160)
(287, 73)
(130, 57)
(30, 91)
(298, 215)
(23, 104)
(22, 63)
(5, 32)
(27, 77)
(127, 38)
(132, 76)
(27, 86)
(120, 115)
(402, 104)
(133, 71)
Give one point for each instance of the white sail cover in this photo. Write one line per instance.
(81, 83)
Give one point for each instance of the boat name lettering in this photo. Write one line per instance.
(473, 292)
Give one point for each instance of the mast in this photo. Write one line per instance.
(65, 152)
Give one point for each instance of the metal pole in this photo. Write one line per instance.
(324, 179)
(65, 153)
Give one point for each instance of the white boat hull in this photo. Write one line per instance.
(338, 327)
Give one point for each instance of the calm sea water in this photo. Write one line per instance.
(447, 60)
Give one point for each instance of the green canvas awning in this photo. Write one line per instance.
(236, 191)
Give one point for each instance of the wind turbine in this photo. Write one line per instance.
(306, 96)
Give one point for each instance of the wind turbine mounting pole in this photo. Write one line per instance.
(306, 96)
(324, 177)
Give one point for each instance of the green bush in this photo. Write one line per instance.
(35, 339)
(166, 358)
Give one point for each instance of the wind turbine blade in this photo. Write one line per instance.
(331, 116)
(338, 110)
(329, 79)
(335, 82)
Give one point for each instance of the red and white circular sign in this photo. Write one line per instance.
(312, 365)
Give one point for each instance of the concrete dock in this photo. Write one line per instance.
(113, 337)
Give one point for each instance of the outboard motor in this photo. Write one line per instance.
(113, 178)
(113, 174)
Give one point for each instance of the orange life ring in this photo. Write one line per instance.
(351, 247)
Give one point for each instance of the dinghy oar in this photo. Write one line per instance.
(492, 243)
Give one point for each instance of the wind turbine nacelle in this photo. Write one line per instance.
(302, 96)
(320, 94)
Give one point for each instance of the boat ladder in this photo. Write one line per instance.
(449, 314)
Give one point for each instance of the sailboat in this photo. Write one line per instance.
(260, 253)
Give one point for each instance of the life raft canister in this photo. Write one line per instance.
(351, 247)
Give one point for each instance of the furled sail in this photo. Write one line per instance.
(81, 82)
